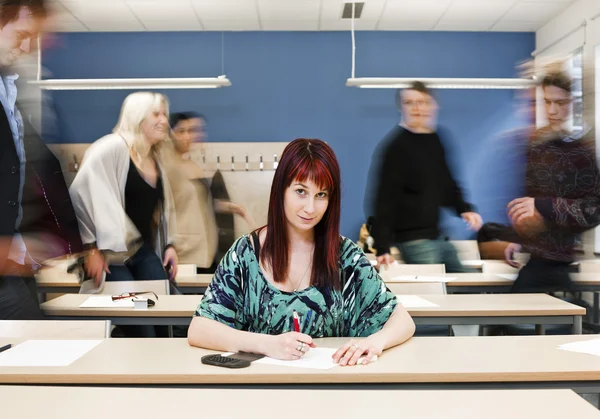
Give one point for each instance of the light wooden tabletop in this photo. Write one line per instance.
(462, 279)
(55, 329)
(502, 359)
(166, 306)
(348, 404)
(450, 305)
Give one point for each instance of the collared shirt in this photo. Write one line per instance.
(8, 98)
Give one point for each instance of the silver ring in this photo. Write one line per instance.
(302, 348)
(355, 346)
(299, 347)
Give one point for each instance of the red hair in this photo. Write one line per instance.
(314, 160)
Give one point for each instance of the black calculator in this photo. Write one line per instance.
(224, 361)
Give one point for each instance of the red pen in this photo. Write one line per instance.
(296, 322)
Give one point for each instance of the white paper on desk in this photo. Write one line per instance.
(315, 358)
(413, 301)
(591, 347)
(89, 286)
(421, 278)
(46, 353)
(105, 301)
(511, 277)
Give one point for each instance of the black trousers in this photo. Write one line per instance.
(18, 299)
(541, 275)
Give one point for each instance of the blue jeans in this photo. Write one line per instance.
(432, 252)
(145, 265)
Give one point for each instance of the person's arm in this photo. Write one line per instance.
(452, 192)
(370, 311)
(386, 178)
(576, 215)
(218, 324)
(454, 195)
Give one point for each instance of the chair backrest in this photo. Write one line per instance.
(160, 287)
(417, 288)
(498, 267)
(399, 269)
(55, 329)
(466, 249)
(589, 267)
(188, 269)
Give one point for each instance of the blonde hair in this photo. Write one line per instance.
(136, 107)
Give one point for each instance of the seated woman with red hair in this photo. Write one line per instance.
(298, 264)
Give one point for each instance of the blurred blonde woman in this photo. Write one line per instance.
(122, 197)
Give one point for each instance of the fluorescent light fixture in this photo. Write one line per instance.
(133, 84)
(440, 83)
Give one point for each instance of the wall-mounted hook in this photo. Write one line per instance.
(261, 166)
(275, 161)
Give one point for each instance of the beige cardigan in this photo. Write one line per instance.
(98, 195)
(197, 234)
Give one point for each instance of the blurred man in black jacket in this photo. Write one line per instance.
(412, 182)
(37, 220)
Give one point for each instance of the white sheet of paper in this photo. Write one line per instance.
(421, 278)
(105, 301)
(413, 301)
(46, 353)
(89, 286)
(591, 347)
(512, 277)
(316, 358)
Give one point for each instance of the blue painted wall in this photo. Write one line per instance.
(292, 84)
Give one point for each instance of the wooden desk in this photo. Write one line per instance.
(56, 285)
(55, 329)
(427, 363)
(480, 282)
(452, 309)
(348, 404)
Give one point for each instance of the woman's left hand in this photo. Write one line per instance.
(351, 352)
(170, 259)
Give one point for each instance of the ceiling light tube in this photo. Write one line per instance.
(133, 84)
(441, 83)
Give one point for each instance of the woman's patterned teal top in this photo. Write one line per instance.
(241, 297)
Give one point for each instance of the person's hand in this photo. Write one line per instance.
(170, 260)
(289, 346)
(509, 254)
(95, 265)
(237, 209)
(525, 218)
(351, 352)
(473, 220)
(385, 260)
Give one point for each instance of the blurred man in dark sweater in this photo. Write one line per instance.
(412, 182)
(563, 194)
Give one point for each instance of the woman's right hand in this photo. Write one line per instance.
(289, 346)
(95, 266)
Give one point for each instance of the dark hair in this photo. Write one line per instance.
(558, 79)
(305, 159)
(9, 9)
(176, 118)
(416, 85)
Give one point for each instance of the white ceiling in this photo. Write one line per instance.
(304, 15)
